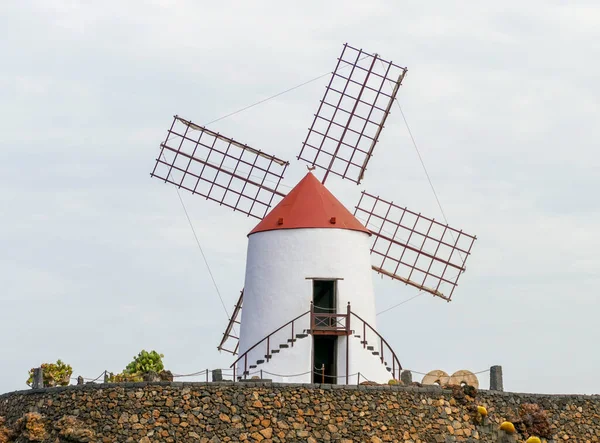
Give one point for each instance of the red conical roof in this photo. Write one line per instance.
(309, 205)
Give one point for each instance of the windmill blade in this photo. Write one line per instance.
(352, 114)
(230, 340)
(412, 248)
(219, 168)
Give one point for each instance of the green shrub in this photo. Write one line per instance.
(145, 362)
(141, 364)
(55, 374)
(122, 378)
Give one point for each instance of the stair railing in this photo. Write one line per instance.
(268, 343)
(395, 361)
(331, 327)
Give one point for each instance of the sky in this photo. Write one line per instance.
(98, 261)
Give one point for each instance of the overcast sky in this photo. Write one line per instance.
(98, 260)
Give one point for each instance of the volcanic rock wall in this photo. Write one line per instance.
(269, 412)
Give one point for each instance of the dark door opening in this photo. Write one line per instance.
(324, 350)
(324, 346)
(324, 296)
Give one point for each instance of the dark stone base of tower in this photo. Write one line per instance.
(269, 412)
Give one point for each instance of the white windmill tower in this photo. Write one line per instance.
(308, 303)
(309, 249)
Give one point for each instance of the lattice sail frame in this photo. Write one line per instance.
(352, 114)
(220, 169)
(229, 337)
(412, 248)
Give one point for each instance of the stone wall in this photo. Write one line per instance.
(269, 412)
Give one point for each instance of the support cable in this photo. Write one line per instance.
(426, 172)
(267, 99)
(199, 246)
(203, 255)
(401, 303)
(419, 155)
(421, 161)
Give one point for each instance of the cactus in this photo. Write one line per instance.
(143, 363)
(55, 374)
(508, 427)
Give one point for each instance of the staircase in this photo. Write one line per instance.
(269, 349)
(322, 324)
(379, 347)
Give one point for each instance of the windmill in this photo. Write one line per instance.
(335, 303)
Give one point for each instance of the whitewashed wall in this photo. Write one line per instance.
(277, 289)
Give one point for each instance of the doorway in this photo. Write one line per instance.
(324, 296)
(324, 346)
(324, 352)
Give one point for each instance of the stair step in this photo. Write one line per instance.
(274, 351)
(259, 362)
(291, 340)
(283, 346)
(252, 366)
(389, 369)
(246, 373)
(375, 352)
(364, 342)
(357, 336)
(268, 356)
(301, 335)
(370, 348)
